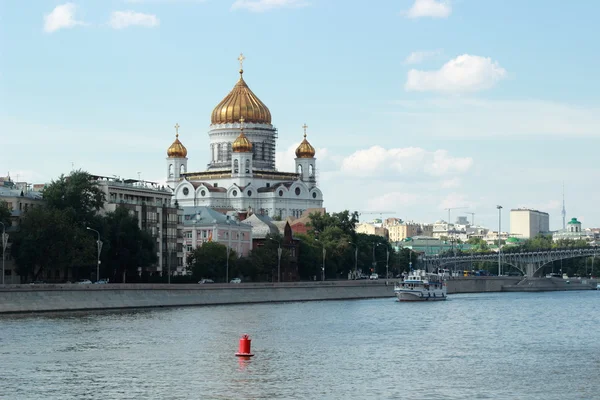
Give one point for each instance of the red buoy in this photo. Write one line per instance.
(244, 350)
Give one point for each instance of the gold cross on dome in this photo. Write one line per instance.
(177, 129)
(241, 59)
(304, 127)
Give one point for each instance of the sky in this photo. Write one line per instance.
(413, 106)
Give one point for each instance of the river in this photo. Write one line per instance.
(473, 346)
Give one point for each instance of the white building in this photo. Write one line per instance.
(241, 174)
(573, 231)
(526, 223)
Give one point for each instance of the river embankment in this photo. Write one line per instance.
(76, 297)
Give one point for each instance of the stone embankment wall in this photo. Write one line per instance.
(72, 297)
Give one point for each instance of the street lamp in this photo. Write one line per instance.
(4, 243)
(227, 263)
(279, 251)
(323, 267)
(499, 248)
(355, 259)
(99, 245)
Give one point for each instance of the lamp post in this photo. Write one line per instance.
(279, 251)
(499, 248)
(4, 243)
(355, 259)
(99, 246)
(323, 267)
(169, 250)
(227, 264)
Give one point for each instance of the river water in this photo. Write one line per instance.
(473, 346)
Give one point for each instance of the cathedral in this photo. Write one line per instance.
(241, 175)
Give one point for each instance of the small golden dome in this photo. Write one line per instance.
(177, 149)
(305, 150)
(242, 144)
(241, 102)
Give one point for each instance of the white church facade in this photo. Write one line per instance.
(241, 175)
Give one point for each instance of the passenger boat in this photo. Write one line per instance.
(421, 285)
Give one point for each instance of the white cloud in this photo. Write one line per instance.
(465, 117)
(392, 201)
(377, 161)
(454, 200)
(62, 16)
(451, 183)
(417, 57)
(123, 19)
(465, 73)
(430, 8)
(266, 5)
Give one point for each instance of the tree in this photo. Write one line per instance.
(51, 239)
(126, 247)
(76, 192)
(344, 220)
(5, 213)
(210, 260)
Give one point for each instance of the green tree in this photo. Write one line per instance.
(210, 261)
(51, 239)
(344, 220)
(126, 247)
(78, 193)
(5, 213)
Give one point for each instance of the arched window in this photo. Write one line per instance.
(300, 169)
(218, 152)
(182, 169)
(311, 170)
(236, 166)
(170, 170)
(247, 166)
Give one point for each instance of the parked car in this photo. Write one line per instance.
(373, 277)
(85, 282)
(101, 282)
(235, 280)
(206, 281)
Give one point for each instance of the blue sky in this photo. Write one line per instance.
(413, 105)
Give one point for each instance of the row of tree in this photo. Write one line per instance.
(58, 241)
(335, 233)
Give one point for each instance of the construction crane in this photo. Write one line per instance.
(453, 208)
(380, 213)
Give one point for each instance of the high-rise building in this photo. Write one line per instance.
(526, 223)
(151, 205)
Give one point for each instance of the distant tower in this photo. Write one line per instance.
(176, 160)
(306, 161)
(564, 211)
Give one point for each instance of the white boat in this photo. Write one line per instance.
(421, 285)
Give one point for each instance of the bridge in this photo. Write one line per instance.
(529, 263)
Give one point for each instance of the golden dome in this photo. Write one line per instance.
(305, 150)
(177, 149)
(242, 144)
(241, 103)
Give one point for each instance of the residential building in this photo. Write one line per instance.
(151, 204)
(20, 200)
(526, 223)
(402, 230)
(203, 224)
(371, 229)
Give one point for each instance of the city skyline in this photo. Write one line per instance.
(412, 106)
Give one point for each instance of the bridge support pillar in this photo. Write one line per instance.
(529, 270)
